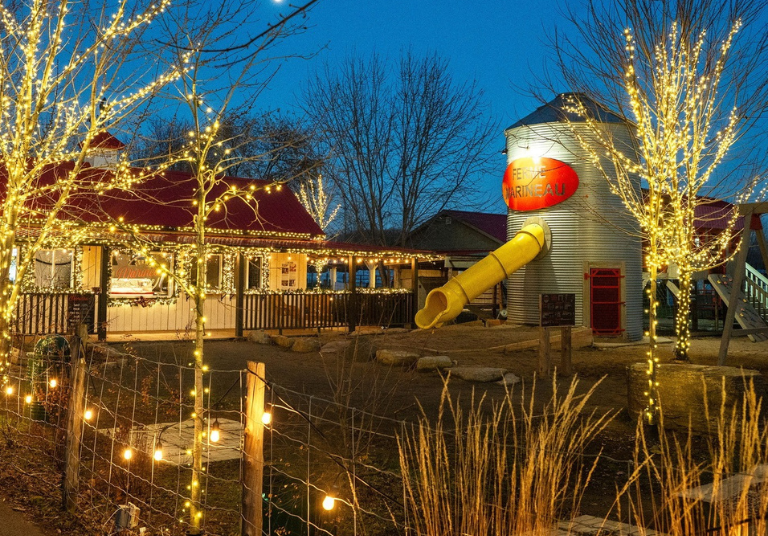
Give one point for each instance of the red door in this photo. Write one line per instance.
(605, 300)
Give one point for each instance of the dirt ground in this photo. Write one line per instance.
(511, 347)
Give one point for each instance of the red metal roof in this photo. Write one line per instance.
(165, 200)
(105, 140)
(494, 225)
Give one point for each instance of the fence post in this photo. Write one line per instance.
(253, 451)
(239, 293)
(74, 430)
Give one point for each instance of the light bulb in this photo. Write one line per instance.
(328, 502)
(215, 431)
(128, 453)
(266, 417)
(88, 415)
(53, 383)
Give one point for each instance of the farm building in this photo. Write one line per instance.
(96, 272)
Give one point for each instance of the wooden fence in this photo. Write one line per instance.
(43, 314)
(327, 310)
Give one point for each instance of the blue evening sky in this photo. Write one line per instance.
(495, 43)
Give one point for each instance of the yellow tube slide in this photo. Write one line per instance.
(446, 302)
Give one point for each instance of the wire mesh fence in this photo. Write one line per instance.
(327, 467)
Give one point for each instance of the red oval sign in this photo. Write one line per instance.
(535, 183)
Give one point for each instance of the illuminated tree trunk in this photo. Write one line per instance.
(683, 316)
(651, 412)
(196, 512)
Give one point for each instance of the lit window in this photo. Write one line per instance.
(53, 269)
(253, 277)
(139, 276)
(14, 265)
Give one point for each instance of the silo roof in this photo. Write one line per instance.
(554, 112)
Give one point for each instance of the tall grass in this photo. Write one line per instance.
(498, 468)
(712, 484)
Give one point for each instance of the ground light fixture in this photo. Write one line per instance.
(215, 431)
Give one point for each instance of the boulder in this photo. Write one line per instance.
(282, 341)
(305, 344)
(509, 379)
(433, 362)
(335, 347)
(360, 349)
(478, 374)
(396, 358)
(684, 388)
(260, 336)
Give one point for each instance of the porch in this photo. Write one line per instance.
(227, 315)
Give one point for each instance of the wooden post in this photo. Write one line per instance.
(353, 302)
(103, 297)
(738, 278)
(74, 430)
(415, 280)
(253, 452)
(240, 264)
(565, 351)
(544, 352)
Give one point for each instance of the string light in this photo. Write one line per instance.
(215, 431)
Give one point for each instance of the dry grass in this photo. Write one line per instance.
(500, 470)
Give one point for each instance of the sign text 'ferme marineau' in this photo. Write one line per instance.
(535, 183)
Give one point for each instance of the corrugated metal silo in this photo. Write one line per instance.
(596, 247)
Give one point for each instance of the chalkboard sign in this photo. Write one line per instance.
(81, 309)
(557, 310)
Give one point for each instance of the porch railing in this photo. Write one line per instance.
(313, 310)
(43, 314)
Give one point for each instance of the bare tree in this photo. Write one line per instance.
(284, 148)
(67, 71)
(403, 145)
(690, 76)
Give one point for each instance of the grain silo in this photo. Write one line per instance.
(595, 250)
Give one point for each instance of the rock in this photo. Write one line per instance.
(360, 350)
(509, 379)
(260, 336)
(683, 389)
(433, 362)
(305, 344)
(335, 347)
(282, 341)
(478, 374)
(392, 331)
(396, 357)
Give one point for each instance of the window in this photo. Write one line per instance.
(253, 275)
(213, 273)
(135, 275)
(14, 265)
(53, 269)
